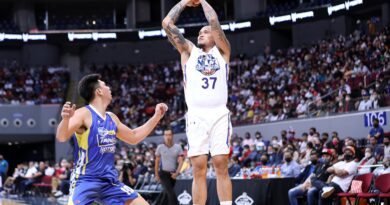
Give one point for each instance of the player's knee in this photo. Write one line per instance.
(220, 165)
(200, 171)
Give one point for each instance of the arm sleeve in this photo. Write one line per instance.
(158, 150)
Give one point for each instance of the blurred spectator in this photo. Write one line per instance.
(368, 159)
(344, 88)
(234, 166)
(126, 175)
(305, 156)
(384, 169)
(315, 171)
(365, 103)
(19, 85)
(60, 169)
(342, 175)
(303, 143)
(10, 182)
(377, 149)
(324, 138)
(32, 176)
(336, 144)
(3, 169)
(289, 168)
(376, 131)
(274, 156)
(386, 145)
(259, 142)
(248, 140)
(253, 156)
(65, 181)
(309, 169)
(237, 149)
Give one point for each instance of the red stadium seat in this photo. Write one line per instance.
(366, 184)
(382, 183)
(45, 184)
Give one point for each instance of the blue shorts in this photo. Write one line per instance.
(89, 191)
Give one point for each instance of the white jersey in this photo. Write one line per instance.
(205, 79)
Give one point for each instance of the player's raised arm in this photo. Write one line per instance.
(177, 39)
(216, 30)
(72, 120)
(134, 136)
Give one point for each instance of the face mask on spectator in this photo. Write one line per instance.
(288, 159)
(367, 155)
(314, 161)
(335, 142)
(348, 157)
(386, 143)
(259, 148)
(264, 161)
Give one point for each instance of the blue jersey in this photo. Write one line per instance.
(95, 177)
(95, 149)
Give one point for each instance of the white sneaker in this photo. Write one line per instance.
(63, 199)
(327, 192)
(58, 194)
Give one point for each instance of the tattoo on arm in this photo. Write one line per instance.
(173, 33)
(176, 11)
(212, 18)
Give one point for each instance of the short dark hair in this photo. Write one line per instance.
(88, 85)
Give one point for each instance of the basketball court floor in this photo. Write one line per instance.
(16, 200)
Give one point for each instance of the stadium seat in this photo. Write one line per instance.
(382, 183)
(44, 186)
(366, 184)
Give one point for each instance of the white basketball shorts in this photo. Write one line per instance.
(208, 131)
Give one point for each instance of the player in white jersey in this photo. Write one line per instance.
(205, 71)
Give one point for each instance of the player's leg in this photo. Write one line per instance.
(84, 192)
(199, 186)
(220, 148)
(198, 149)
(224, 184)
(138, 201)
(119, 193)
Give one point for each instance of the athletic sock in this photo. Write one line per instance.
(226, 202)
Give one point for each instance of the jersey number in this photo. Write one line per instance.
(127, 189)
(206, 82)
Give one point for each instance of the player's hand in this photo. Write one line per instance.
(161, 108)
(157, 178)
(174, 175)
(68, 110)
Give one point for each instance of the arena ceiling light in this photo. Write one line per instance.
(346, 5)
(91, 36)
(278, 19)
(232, 26)
(23, 37)
(291, 17)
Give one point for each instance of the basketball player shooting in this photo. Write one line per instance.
(95, 133)
(205, 71)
